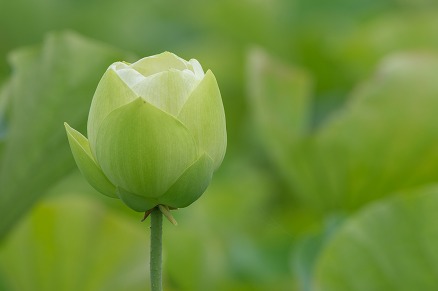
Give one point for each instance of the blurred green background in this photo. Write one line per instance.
(329, 182)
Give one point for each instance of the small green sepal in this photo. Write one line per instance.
(86, 164)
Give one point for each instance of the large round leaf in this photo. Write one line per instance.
(50, 84)
(383, 140)
(74, 243)
(391, 245)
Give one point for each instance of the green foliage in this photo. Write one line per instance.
(67, 243)
(50, 84)
(382, 140)
(390, 245)
(332, 127)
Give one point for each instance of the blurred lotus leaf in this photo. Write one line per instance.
(390, 245)
(220, 253)
(67, 243)
(308, 249)
(4, 113)
(358, 50)
(280, 101)
(50, 84)
(383, 140)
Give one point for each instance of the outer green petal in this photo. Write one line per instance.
(204, 116)
(111, 93)
(190, 186)
(159, 63)
(89, 169)
(143, 149)
(167, 90)
(135, 202)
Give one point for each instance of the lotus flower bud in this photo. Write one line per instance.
(156, 132)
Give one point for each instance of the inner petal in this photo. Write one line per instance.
(168, 90)
(130, 77)
(155, 64)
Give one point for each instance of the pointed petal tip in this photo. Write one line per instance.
(210, 78)
(72, 133)
(210, 74)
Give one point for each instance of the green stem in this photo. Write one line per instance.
(156, 249)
